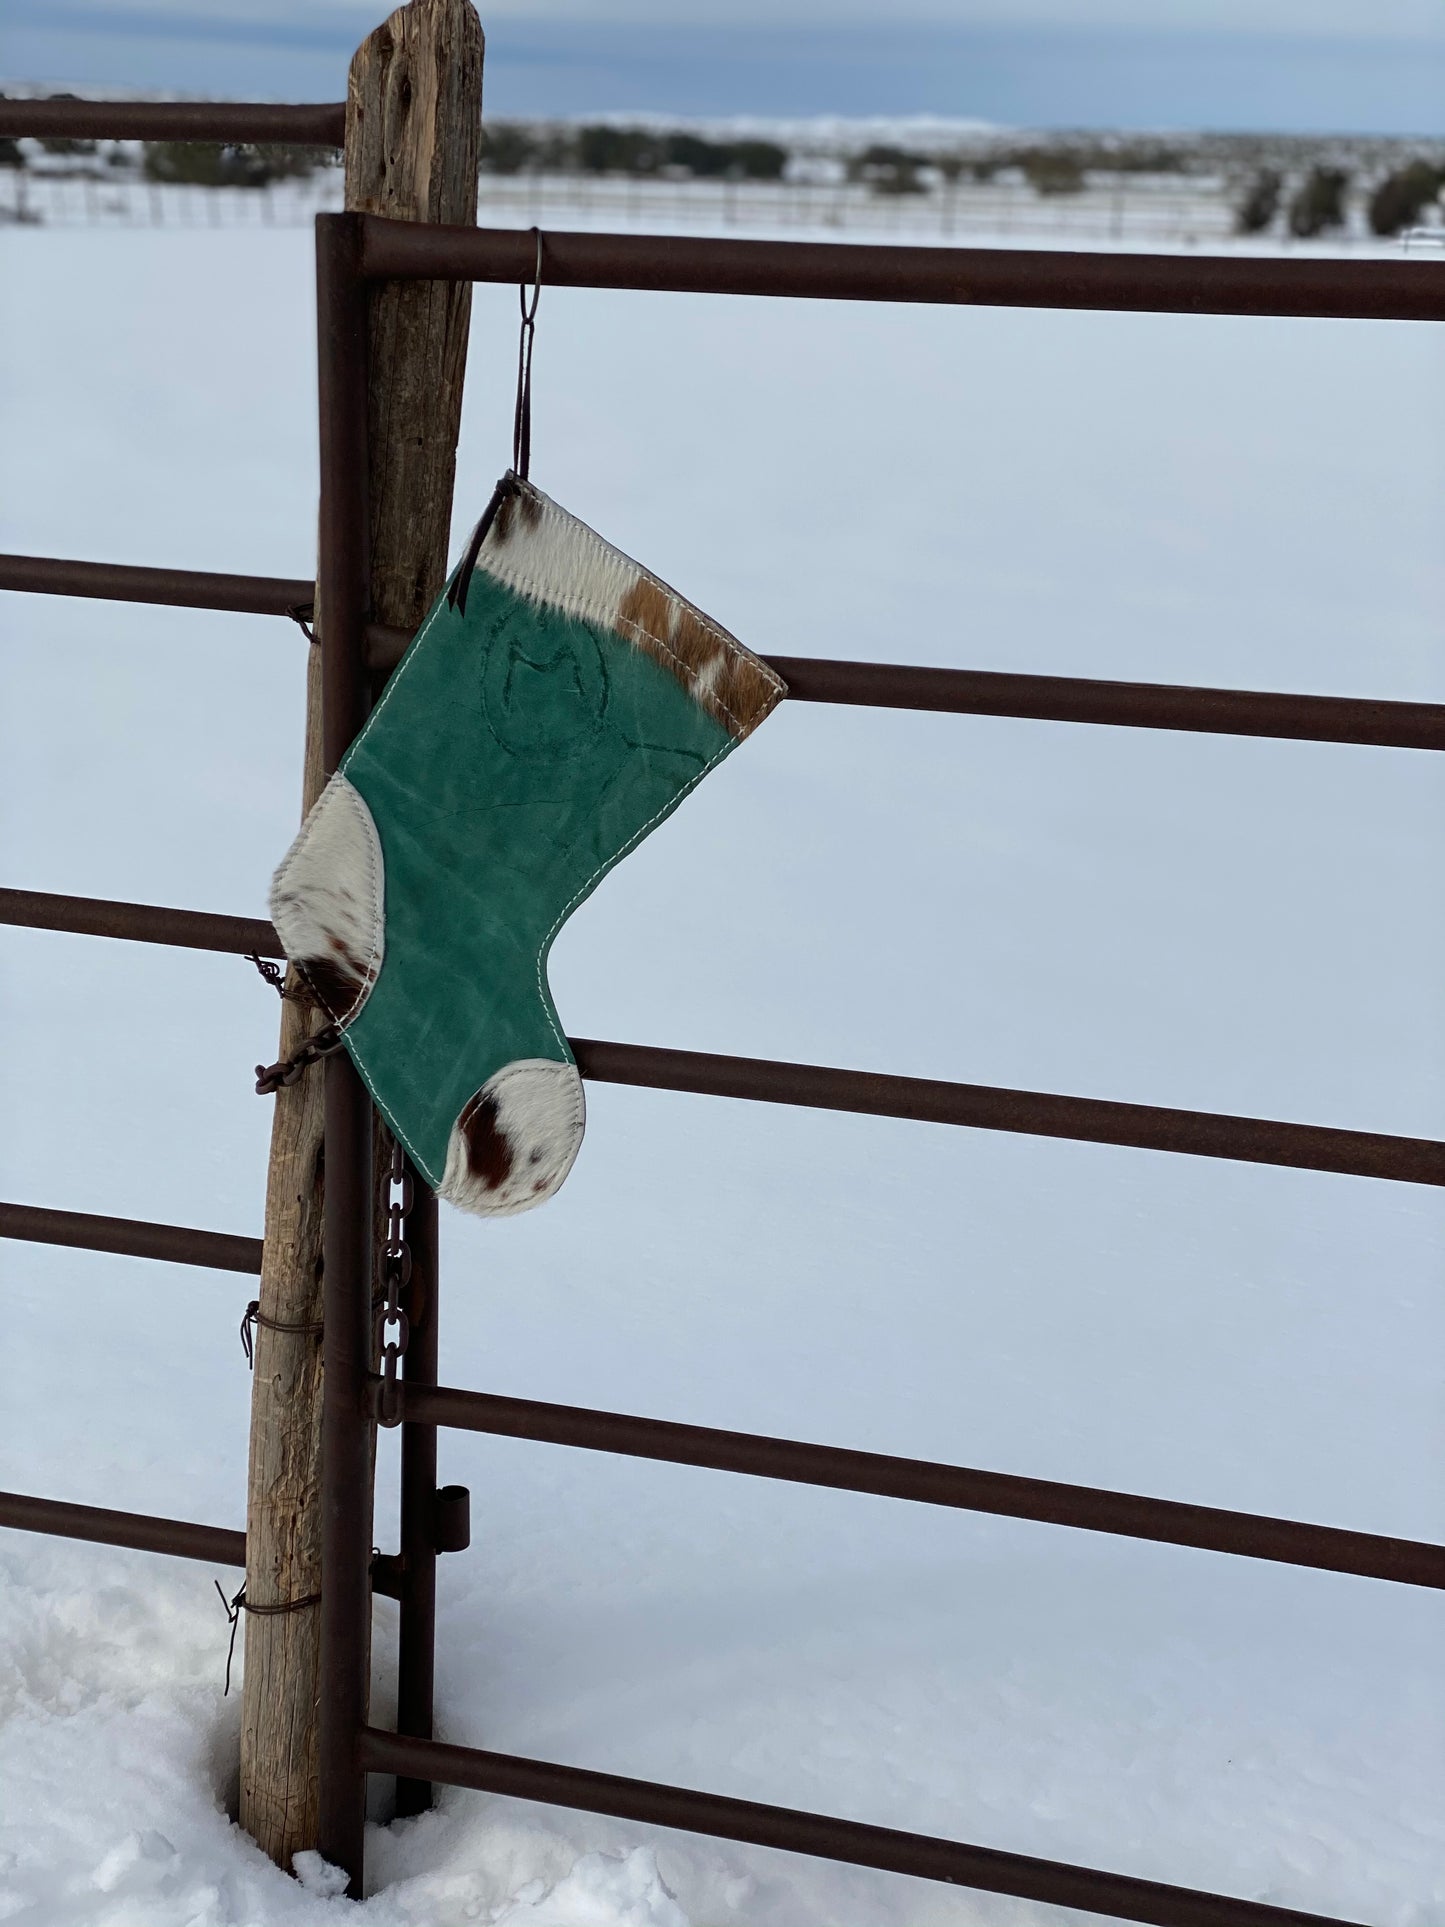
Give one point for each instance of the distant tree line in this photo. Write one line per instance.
(1318, 203)
(232, 164)
(514, 147)
(1402, 197)
(517, 147)
(1049, 167)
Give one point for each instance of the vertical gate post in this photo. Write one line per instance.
(413, 128)
(346, 1481)
(416, 1644)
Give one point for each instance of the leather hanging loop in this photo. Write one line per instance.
(521, 436)
(522, 414)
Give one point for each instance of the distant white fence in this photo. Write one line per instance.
(75, 199)
(1141, 210)
(1125, 210)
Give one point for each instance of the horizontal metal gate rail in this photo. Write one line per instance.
(140, 923)
(1053, 1882)
(1366, 720)
(926, 1100)
(985, 1107)
(320, 125)
(139, 1530)
(840, 271)
(255, 595)
(131, 1238)
(1408, 1562)
(351, 251)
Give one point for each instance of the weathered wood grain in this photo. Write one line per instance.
(413, 124)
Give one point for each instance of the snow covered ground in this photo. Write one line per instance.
(1235, 925)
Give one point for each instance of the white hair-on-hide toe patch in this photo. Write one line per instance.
(328, 898)
(516, 1140)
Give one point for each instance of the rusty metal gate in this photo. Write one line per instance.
(354, 252)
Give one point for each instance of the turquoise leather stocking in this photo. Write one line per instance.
(557, 703)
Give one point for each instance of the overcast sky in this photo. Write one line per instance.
(1424, 19)
(1373, 18)
(1293, 65)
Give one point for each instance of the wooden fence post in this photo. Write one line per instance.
(413, 123)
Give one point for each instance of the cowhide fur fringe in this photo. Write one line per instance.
(538, 550)
(327, 901)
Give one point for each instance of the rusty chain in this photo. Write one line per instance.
(396, 1277)
(272, 1077)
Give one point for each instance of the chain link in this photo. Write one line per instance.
(396, 1277)
(271, 1077)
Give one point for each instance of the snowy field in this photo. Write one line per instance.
(1245, 926)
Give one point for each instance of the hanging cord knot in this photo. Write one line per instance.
(239, 1604)
(303, 614)
(271, 1078)
(254, 1316)
(276, 977)
(272, 972)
